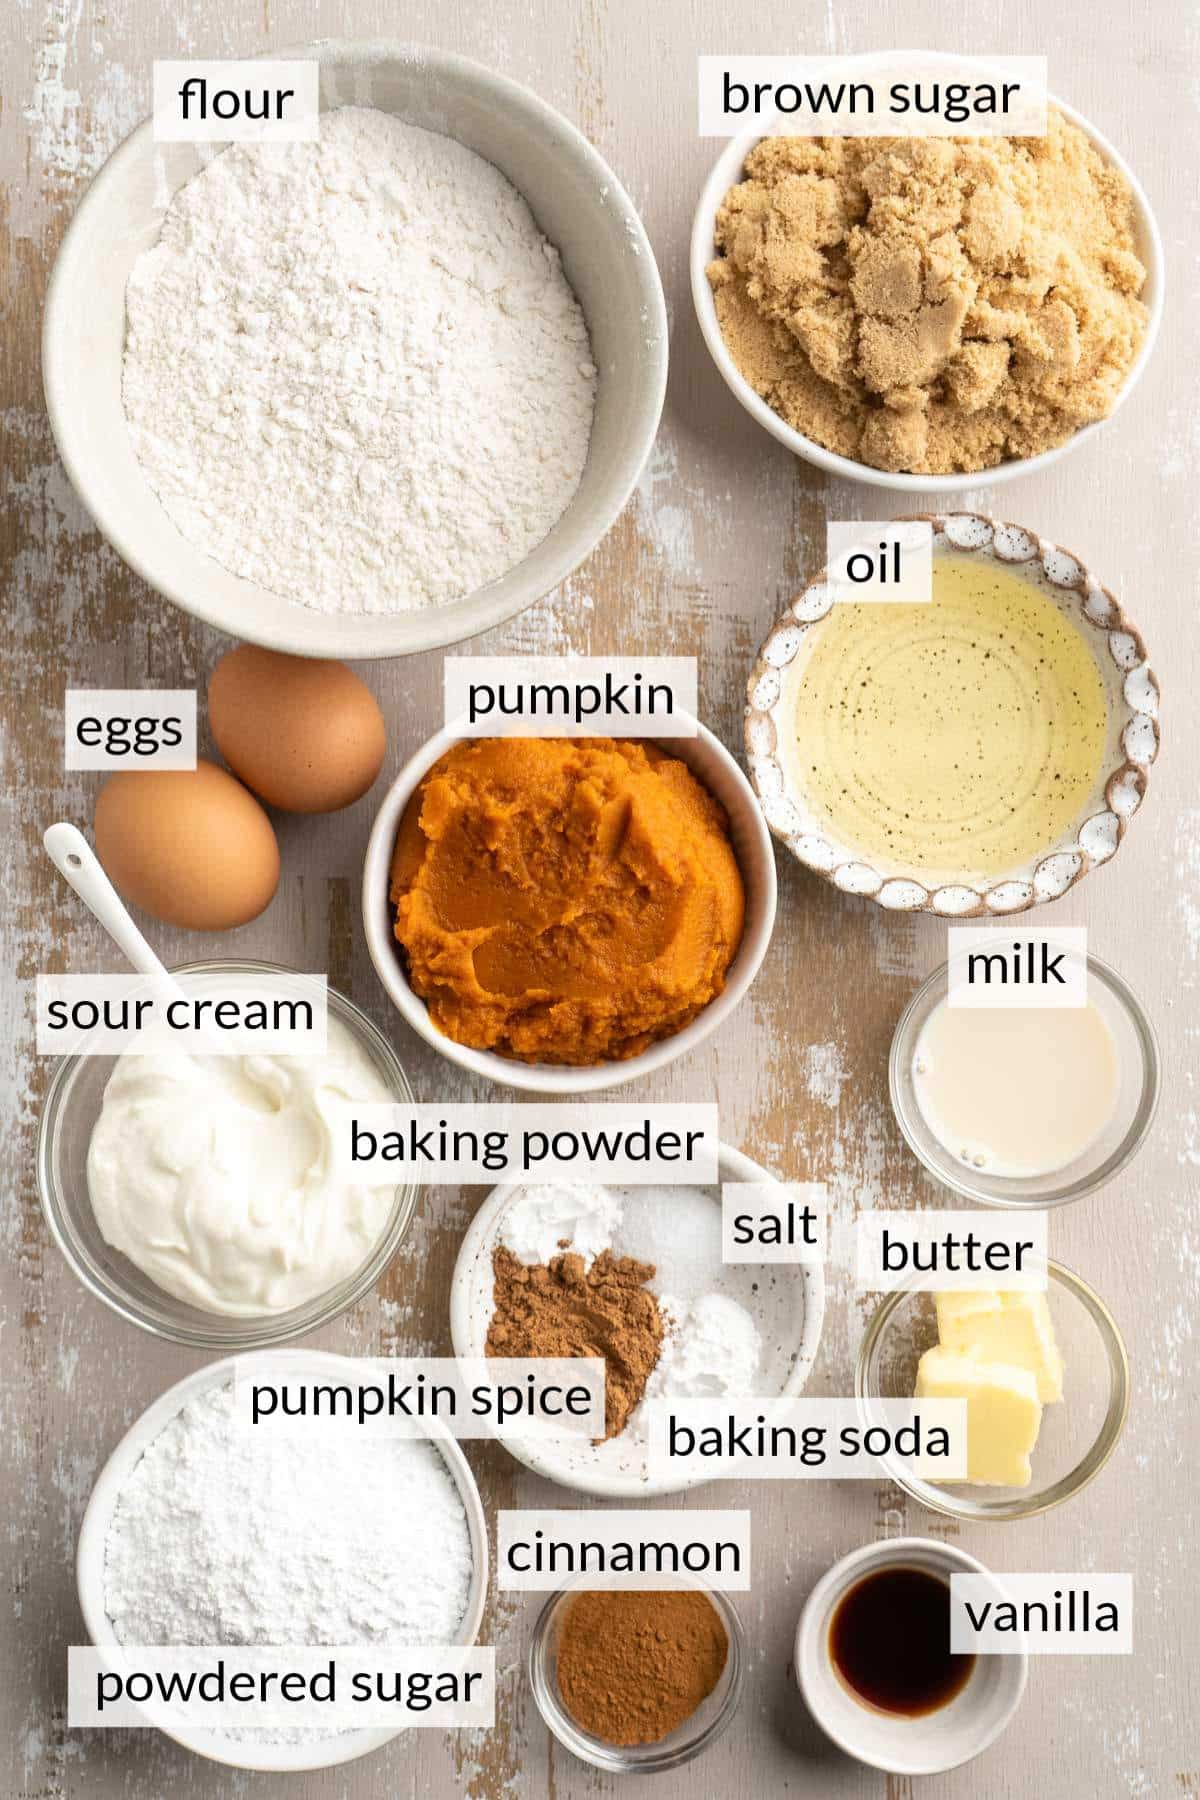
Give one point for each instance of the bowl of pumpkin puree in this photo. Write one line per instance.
(565, 914)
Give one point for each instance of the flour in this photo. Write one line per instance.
(354, 370)
(222, 1536)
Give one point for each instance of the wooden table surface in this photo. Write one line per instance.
(723, 528)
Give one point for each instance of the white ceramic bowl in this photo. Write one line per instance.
(931, 1742)
(727, 171)
(577, 201)
(241, 1753)
(789, 1309)
(712, 764)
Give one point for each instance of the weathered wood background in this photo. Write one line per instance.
(723, 527)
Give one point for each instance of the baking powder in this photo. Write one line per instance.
(354, 370)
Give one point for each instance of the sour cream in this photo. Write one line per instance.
(216, 1174)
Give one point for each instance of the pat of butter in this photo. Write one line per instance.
(1004, 1413)
(1004, 1328)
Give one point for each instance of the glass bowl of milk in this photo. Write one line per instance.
(1025, 1106)
(218, 1222)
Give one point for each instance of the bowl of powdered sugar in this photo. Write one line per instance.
(201, 1531)
(367, 395)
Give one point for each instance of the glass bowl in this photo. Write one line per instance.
(695, 1734)
(1079, 1432)
(1122, 1137)
(70, 1112)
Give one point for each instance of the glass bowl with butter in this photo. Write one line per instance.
(1025, 1107)
(234, 1279)
(1045, 1377)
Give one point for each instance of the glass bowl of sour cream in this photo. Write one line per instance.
(239, 1232)
(1025, 1107)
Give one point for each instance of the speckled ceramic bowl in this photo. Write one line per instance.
(1095, 833)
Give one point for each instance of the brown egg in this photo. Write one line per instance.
(308, 736)
(190, 846)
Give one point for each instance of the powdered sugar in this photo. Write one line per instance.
(354, 370)
(224, 1537)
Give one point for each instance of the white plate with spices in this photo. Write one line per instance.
(776, 1329)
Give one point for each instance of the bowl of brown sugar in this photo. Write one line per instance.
(909, 311)
(637, 1680)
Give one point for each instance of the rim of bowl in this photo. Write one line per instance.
(558, 1078)
(93, 1535)
(230, 1333)
(1132, 775)
(958, 1177)
(621, 1759)
(702, 252)
(431, 628)
(817, 1612)
(732, 1165)
(935, 1499)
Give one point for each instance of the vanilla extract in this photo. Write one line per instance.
(889, 1642)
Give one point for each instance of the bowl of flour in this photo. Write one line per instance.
(734, 1329)
(197, 1532)
(364, 396)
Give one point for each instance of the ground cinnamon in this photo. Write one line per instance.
(633, 1666)
(569, 1308)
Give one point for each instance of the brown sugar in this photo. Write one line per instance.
(633, 1666)
(569, 1308)
(931, 305)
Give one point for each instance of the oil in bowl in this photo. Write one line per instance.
(950, 740)
(971, 754)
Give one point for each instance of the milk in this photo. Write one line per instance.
(1017, 1091)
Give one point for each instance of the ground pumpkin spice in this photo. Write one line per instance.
(633, 1666)
(931, 305)
(569, 1308)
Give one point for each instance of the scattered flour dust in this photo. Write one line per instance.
(354, 370)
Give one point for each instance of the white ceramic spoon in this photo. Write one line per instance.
(78, 863)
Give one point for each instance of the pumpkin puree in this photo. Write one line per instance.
(565, 900)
